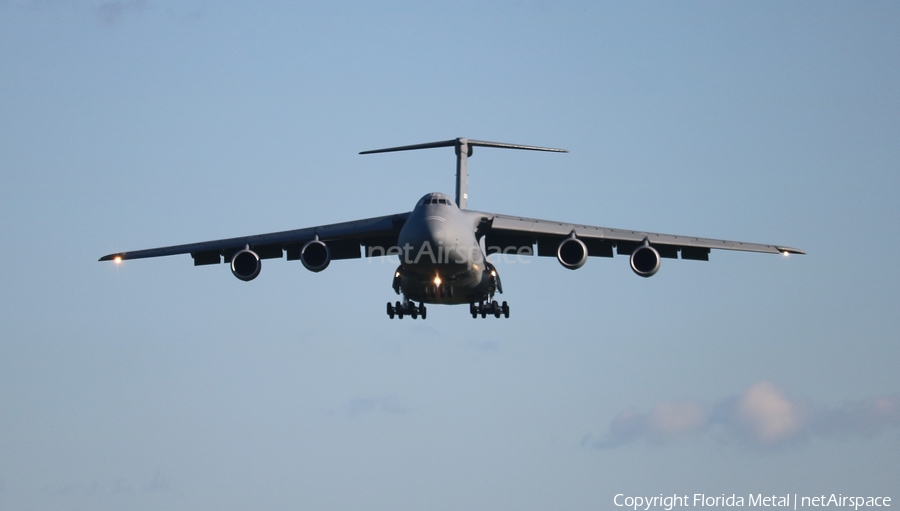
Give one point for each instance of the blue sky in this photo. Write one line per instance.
(157, 385)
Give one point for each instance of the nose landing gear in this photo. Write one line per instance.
(492, 307)
(407, 308)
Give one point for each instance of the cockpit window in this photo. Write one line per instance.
(435, 200)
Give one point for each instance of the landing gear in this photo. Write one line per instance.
(408, 308)
(491, 307)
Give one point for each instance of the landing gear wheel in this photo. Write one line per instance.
(495, 308)
(505, 309)
(483, 310)
(399, 309)
(422, 310)
(473, 310)
(390, 310)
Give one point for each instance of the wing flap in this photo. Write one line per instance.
(268, 251)
(380, 246)
(205, 258)
(344, 249)
(695, 253)
(522, 244)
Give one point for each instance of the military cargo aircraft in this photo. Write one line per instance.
(443, 247)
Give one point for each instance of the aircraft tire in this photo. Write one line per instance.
(505, 309)
(390, 310)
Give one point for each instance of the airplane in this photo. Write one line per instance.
(443, 247)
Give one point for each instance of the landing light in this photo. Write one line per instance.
(493, 273)
(785, 253)
(437, 281)
(117, 259)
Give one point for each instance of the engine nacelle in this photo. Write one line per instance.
(245, 265)
(572, 253)
(645, 260)
(315, 256)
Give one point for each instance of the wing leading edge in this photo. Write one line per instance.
(504, 232)
(343, 240)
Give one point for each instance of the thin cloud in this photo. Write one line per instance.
(867, 418)
(763, 415)
(107, 13)
(664, 421)
(110, 12)
(158, 484)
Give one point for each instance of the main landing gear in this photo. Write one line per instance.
(408, 308)
(491, 307)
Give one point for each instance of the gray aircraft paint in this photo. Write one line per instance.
(438, 244)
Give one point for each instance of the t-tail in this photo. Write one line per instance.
(463, 151)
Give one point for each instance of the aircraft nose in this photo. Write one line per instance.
(436, 228)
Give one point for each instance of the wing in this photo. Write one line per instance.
(343, 240)
(504, 232)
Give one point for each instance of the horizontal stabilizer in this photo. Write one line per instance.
(460, 141)
(463, 148)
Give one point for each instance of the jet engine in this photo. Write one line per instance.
(645, 260)
(245, 265)
(315, 255)
(572, 253)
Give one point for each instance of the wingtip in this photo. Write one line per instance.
(789, 250)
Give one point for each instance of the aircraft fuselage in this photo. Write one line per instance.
(441, 260)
